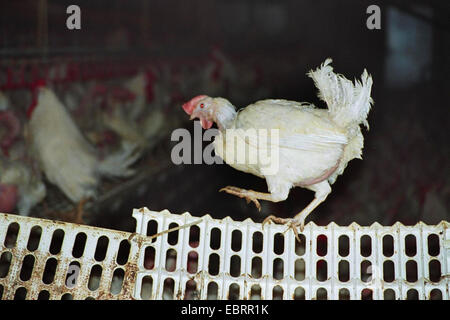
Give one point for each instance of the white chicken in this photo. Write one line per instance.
(66, 157)
(21, 185)
(141, 121)
(313, 147)
(26, 188)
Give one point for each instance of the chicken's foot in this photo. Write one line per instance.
(322, 190)
(292, 224)
(249, 195)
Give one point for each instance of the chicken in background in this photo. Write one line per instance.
(218, 74)
(133, 112)
(66, 157)
(314, 145)
(21, 185)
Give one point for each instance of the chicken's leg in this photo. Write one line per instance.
(249, 195)
(79, 211)
(322, 190)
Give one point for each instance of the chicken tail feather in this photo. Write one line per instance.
(118, 164)
(348, 103)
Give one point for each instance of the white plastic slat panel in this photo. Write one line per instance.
(51, 274)
(222, 259)
(284, 269)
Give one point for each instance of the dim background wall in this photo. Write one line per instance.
(405, 174)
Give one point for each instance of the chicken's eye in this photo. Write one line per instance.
(202, 105)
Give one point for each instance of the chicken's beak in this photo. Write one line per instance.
(206, 124)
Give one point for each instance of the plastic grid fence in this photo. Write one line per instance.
(252, 263)
(43, 259)
(221, 259)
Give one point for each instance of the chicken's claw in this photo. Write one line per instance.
(293, 224)
(242, 193)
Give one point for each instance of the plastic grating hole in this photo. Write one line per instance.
(67, 296)
(321, 294)
(255, 292)
(168, 289)
(172, 237)
(366, 294)
(124, 252)
(73, 272)
(79, 245)
(412, 294)
(278, 243)
(235, 266)
(344, 245)
(233, 293)
(300, 246)
(435, 270)
(299, 293)
(256, 267)
(146, 287)
(117, 281)
(152, 229)
(257, 246)
(322, 246)
(89, 298)
(411, 271)
(366, 246)
(149, 258)
(435, 294)
(194, 236)
(49, 271)
(57, 241)
(410, 245)
(388, 271)
(11, 235)
(389, 294)
(277, 293)
(101, 249)
(236, 240)
(171, 260)
(27, 267)
(213, 265)
(344, 271)
(212, 291)
(278, 269)
(5, 263)
(1, 291)
(433, 245)
(321, 270)
(191, 292)
(34, 238)
(215, 239)
(192, 262)
(20, 294)
(366, 271)
(299, 270)
(44, 295)
(344, 294)
(95, 277)
(388, 245)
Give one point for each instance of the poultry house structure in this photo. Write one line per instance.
(94, 206)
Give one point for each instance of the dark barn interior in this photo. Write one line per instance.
(243, 51)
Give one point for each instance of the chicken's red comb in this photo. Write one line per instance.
(189, 106)
(40, 83)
